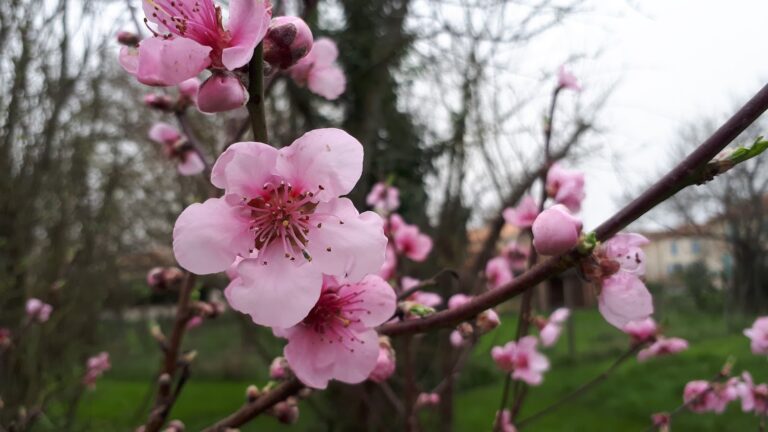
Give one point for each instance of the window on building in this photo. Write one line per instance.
(673, 247)
(674, 268)
(696, 246)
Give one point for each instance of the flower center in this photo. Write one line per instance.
(282, 215)
(333, 315)
(521, 362)
(199, 20)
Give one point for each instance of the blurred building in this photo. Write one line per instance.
(671, 251)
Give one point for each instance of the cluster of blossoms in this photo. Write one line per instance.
(647, 332)
(38, 311)
(191, 37)
(164, 278)
(177, 148)
(187, 91)
(283, 232)
(95, 368)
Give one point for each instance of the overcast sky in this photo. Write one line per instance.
(674, 61)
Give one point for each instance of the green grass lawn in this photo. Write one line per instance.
(624, 402)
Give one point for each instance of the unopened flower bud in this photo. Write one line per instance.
(127, 38)
(487, 320)
(305, 392)
(279, 369)
(288, 40)
(252, 393)
(465, 329)
(5, 337)
(188, 89)
(189, 357)
(385, 363)
(286, 412)
(221, 92)
(175, 426)
(661, 421)
(555, 231)
(427, 399)
(157, 333)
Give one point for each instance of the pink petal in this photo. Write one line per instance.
(624, 298)
(207, 237)
(244, 168)
(277, 294)
(248, 24)
(327, 81)
(353, 248)
(330, 158)
(163, 133)
(560, 315)
(311, 358)
(353, 367)
(377, 300)
(221, 92)
(166, 62)
(324, 52)
(191, 165)
(129, 59)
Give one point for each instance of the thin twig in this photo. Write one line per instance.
(681, 176)
(582, 388)
(256, 107)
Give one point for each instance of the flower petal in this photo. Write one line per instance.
(624, 298)
(376, 301)
(330, 158)
(324, 52)
(163, 133)
(248, 24)
(278, 293)
(347, 243)
(192, 164)
(353, 365)
(244, 168)
(207, 237)
(310, 357)
(327, 81)
(166, 62)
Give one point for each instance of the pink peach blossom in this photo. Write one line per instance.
(566, 186)
(394, 223)
(412, 243)
(524, 214)
(221, 92)
(567, 80)
(177, 148)
(754, 398)
(624, 298)
(758, 335)
(337, 339)
(552, 327)
(457, 339)
(284, 206)
(626, 249)
(641, 330)
(319, 71)
(555, 231)
(188, 89)
(498, 272)
(457, 300)
(522, 360)
(427, 399)
(38, 311)
(517, 255)
(385, 363)
(505, 421)
(663, 346)
(388, 267)
(95, 367)
(194, 322)
(190, 37)
(288, 40)
(702, 396)
(425, 298)
(384, 198)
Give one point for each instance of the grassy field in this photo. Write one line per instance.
(623, 403)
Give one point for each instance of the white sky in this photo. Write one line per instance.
(674, 61)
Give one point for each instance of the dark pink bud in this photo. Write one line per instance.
(288, 40)
(127, 38)
(286, 412)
